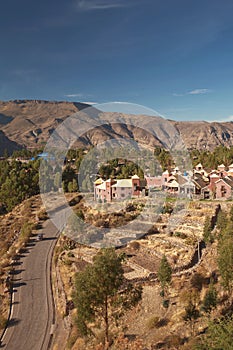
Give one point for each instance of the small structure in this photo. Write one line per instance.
(224, 188)
(118, 189)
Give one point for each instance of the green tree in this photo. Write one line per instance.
(222, 220)
(75, 185)
(70, 187)
(164, 273)
(218, 337)
(207, 236)
(190, 298)
(210, 299)
(225, 260)
(99, 292)
(57, 180)
(67, 176)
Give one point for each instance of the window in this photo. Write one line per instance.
(223, 190)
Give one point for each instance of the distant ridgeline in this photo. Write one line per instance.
(29, 124)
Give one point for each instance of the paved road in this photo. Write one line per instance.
(32, 313)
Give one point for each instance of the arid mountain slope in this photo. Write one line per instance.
(29, 123)
(6, 145)
(204, 135)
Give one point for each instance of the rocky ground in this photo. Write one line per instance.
(149, 321)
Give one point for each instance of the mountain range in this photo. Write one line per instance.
(29, 124)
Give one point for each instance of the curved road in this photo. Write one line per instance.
(32, 315)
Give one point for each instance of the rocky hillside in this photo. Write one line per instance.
(29, 123)
(6, 145)
(204, 135)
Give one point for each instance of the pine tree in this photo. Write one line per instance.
(164, 273)
(219, 335)
(225, 261)
(207, 231)
(99, 293)
(210, 299)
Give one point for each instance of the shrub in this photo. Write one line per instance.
(152, 322)
(156, 322)
(135, 245)
(3, 322)
(42, 215)
(26, 232)
(197, 281)
(166, 303)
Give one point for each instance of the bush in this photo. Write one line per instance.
(197, 281)
(166, 303)
(3, 322)
(80, 214)
(42, 215)
(135, 245)
(156, 322)
(180, 234)
(173, 341)
(26, 232)
(152, 322)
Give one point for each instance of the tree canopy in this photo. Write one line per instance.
(100, 294)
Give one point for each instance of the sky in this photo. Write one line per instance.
(173, 56)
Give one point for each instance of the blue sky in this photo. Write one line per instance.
(174, 56)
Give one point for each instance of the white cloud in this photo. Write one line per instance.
(79, 95)
(198, 92)
(193, 92)
(89, 102)
(91, 5)
(223, 120)
(83, 98)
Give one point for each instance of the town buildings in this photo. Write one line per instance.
(199, 183)
(118, 189)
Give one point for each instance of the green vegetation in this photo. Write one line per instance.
(18, 181)
(69, 182)
(210, 299)
(100, 296)
(218, 337)
(164, 274)
(164, 158)
(26, 232)
(211, 160)
(207, 231)
(156, 322)
(225, 259)
(3, 322)
(225, 249)
(120, 169)
(191, 299)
